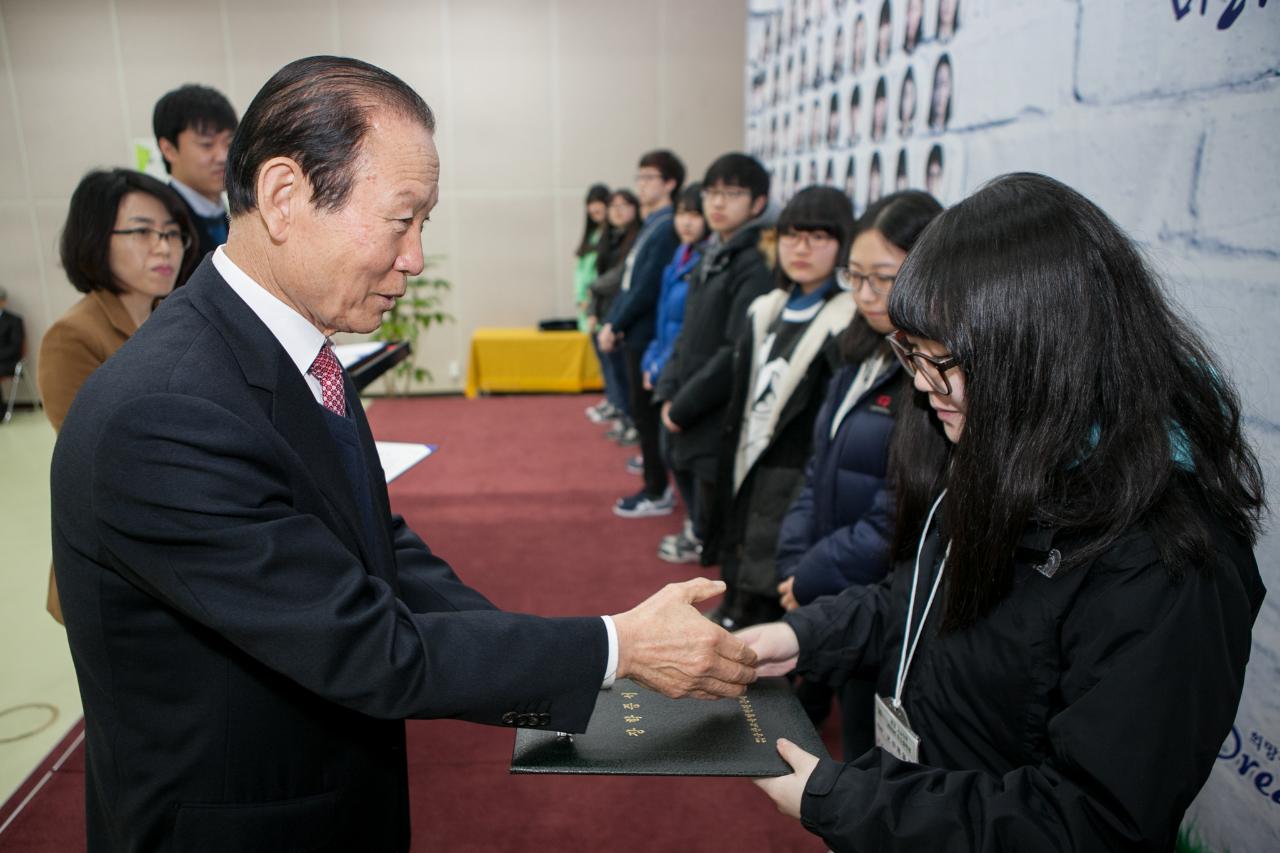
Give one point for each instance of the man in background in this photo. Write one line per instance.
(193, 127)
(633, 321)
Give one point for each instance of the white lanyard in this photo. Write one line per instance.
(904, 662)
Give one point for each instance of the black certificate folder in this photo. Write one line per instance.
(636, 732)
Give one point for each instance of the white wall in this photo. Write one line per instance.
(535, 100)
(1171, 125)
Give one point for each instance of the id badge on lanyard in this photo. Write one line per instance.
(893, 730)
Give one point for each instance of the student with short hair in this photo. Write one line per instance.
(193, 127)
(695, 385)
(632, 319)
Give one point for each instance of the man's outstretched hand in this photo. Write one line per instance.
(665, 644)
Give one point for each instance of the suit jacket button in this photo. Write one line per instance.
(544, 719)
(524, 719)
(509, 718)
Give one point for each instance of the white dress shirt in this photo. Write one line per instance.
(201, 205)
(302, 342)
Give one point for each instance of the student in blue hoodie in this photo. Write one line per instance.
(691, 228)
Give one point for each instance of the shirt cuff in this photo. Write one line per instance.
(611, 665)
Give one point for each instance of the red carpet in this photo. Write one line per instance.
(518, 499)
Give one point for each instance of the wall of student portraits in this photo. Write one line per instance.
(1164, 113)
(534, 100)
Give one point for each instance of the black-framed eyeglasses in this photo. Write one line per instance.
(933, 369)
(811, 239)
(152, 237)
(853, 281)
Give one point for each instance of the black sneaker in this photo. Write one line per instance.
(630, 437)
(635, 465)
(641, 505)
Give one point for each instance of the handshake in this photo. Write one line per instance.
(665, 644)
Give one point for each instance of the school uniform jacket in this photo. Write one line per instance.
(1084, 712)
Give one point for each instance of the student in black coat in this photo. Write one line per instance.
(695, 384)
(1062, 648)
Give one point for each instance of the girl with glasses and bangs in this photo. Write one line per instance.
(1062, 647)
(782, 366)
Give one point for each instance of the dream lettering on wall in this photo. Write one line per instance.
(1230, 13)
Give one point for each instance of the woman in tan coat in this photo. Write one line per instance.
(126, 245)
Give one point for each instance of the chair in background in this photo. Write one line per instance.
(16, 376)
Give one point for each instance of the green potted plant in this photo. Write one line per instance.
(419, 309)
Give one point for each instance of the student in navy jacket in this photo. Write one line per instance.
(838, 531)
(632, 320)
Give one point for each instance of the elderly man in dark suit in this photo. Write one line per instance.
(250, 624)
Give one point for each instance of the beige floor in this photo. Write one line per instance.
(36, 676)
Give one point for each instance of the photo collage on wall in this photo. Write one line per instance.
(854, 94)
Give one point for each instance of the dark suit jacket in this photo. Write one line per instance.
(11, 338)
(205, 241)
(246, 649)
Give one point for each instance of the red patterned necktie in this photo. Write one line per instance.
(329, 373)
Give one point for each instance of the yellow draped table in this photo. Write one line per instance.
(504, 360)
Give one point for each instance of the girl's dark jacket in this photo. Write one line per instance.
(1083, 713)
(838, 531)
(697, 377)
(757, 499)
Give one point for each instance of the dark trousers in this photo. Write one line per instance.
(646, 415)
(686, 483)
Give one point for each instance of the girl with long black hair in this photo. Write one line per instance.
(1062, 648)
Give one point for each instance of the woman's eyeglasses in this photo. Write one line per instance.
(853, 281)
(933, 369)
(149, 238)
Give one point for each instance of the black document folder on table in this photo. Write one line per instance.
(636, 732)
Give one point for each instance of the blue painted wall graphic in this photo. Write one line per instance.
(1164, 112)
